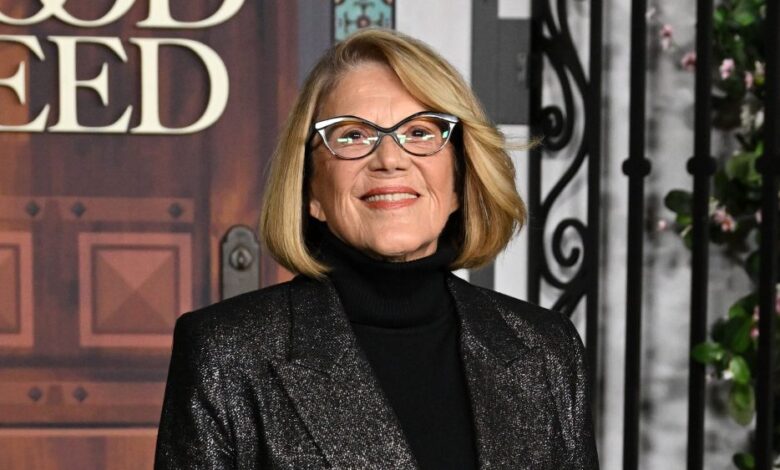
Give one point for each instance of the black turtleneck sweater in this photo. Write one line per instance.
(405, 321)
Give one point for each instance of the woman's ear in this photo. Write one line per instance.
(315, 208)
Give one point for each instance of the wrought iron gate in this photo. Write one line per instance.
(551, 43)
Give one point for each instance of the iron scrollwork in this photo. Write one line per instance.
(556, 124)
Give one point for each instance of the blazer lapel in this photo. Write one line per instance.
(506, 378)
(333, 387)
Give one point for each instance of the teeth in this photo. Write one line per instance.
(390, 197)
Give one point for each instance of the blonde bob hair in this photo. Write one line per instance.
(491, 211)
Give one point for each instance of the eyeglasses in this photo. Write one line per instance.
(351, 137)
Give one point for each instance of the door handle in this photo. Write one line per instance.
(240, 263)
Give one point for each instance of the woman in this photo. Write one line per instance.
(387, 176)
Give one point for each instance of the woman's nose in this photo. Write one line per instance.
(389, 156)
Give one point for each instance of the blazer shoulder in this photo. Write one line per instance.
(236, 308)
(253, 320)
(548, 327)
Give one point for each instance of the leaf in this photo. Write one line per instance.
(745, 18)
(740, 342)
(740, 370)
(708, 352)
(737, 310)
(743, 307)
(742, 167)
(753, 265)
(678, 201)
(759, 148)
(719, 16)
(742, 403)
(734, 333)
(683, 220)
(744, 461)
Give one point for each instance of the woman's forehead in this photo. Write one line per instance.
(370, 91)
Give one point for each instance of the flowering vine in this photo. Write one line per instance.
(738, 76)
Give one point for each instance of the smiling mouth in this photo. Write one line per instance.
(391, 197)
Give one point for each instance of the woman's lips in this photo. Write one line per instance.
(390, 197)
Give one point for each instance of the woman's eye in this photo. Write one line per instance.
(353, 136)
(421, 133)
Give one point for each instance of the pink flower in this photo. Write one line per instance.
(757, 215)
(748, 80)
(726, 221)
(726, 68)
(754, 333)
(666, 34)
(757, 310)
(688, 61)
(662, 225)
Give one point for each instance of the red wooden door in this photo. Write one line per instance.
(105, 238)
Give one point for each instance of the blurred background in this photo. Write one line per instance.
(134, 139)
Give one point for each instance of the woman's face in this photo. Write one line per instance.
(407, 226)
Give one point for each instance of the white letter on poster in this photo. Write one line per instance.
(56, 8)
(69, 84)
(117, 11)
(219, 86)
(46, 11)
(16, 84)
(160, 15)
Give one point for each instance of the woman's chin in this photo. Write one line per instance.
(401, 250)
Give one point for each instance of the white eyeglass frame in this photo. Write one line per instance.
(321, 126)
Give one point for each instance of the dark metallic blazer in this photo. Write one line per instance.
(275, 379)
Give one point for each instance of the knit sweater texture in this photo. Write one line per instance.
(404, 320)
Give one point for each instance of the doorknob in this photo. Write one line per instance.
(241, 258)
(240, 263)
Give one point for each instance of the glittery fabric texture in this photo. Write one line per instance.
(274, 379)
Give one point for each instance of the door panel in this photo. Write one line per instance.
(105, 239)
(72, 449)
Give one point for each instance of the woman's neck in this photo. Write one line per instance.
(385, 293)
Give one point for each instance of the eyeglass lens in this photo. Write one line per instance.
(354, 139)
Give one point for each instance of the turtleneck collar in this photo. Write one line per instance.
(383, 293)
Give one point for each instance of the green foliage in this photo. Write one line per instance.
(733, 333)
(752, 265)
(740, 371)
(708, 352)
(742, 403)
(741, 167)
(744, 461)
(679, 201)
(734, 219)
(744, 306)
